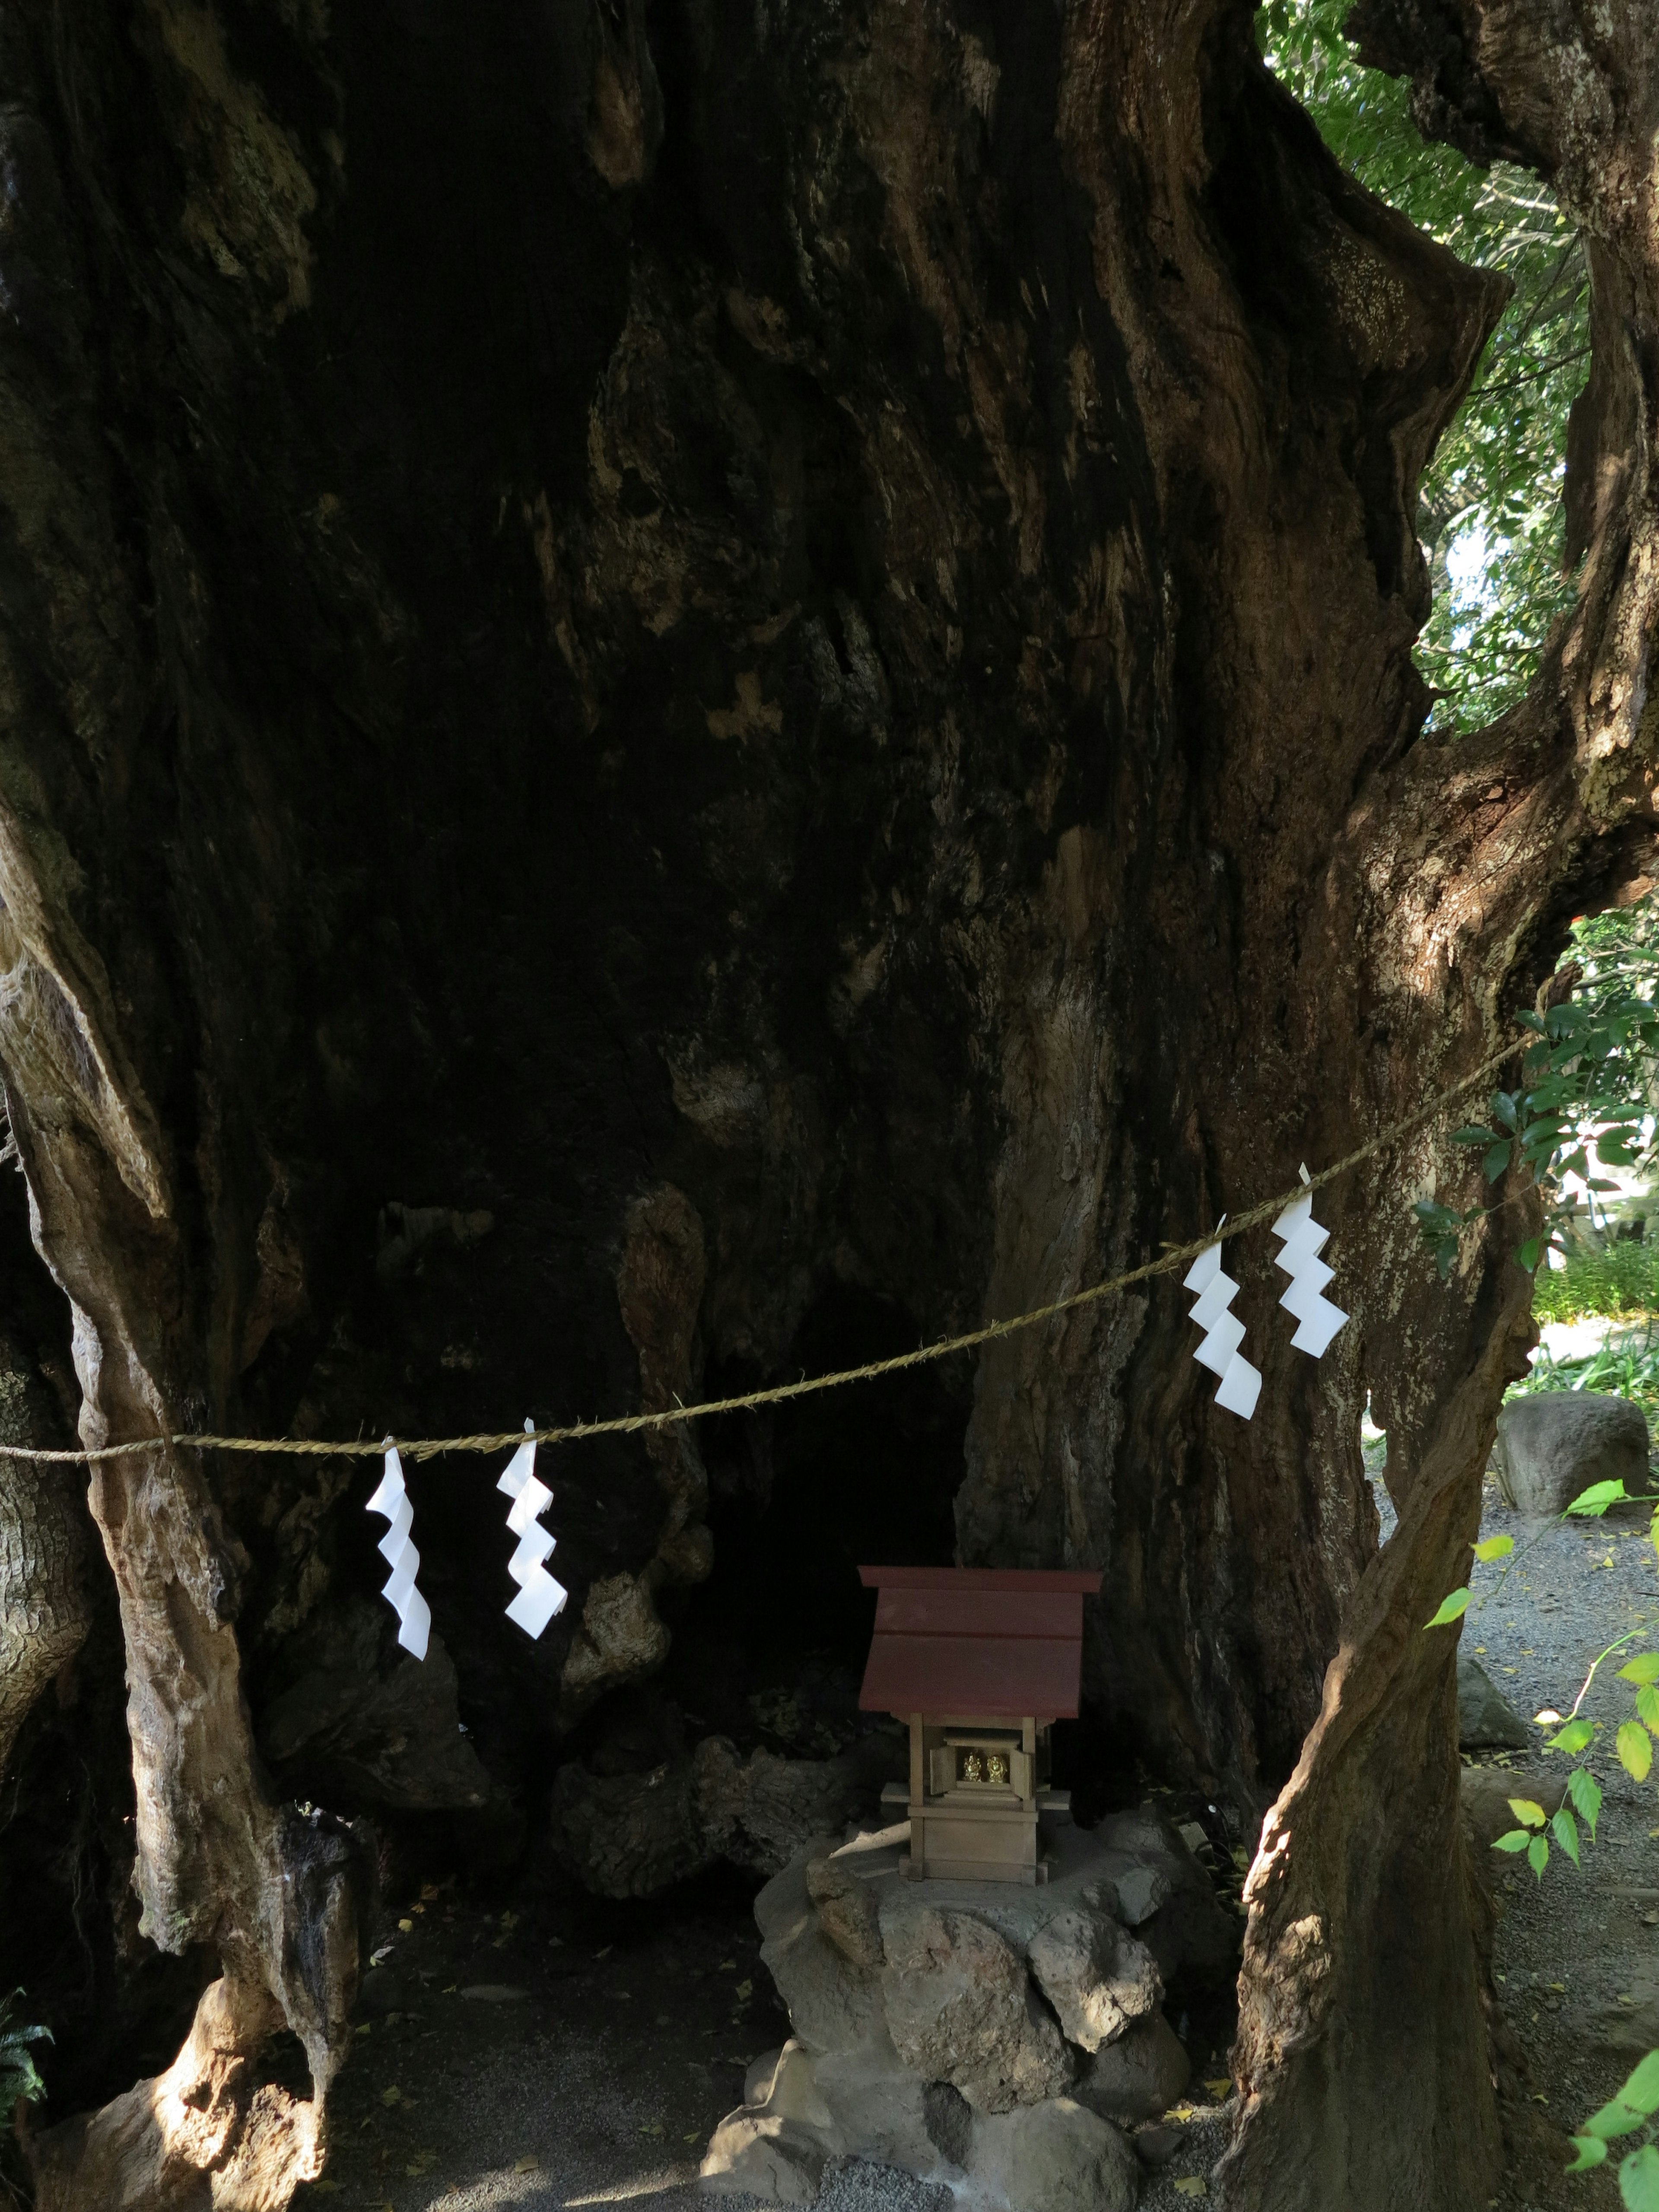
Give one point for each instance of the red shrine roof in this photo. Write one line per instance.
(973, 1641)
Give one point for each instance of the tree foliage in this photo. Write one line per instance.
(1490, 511)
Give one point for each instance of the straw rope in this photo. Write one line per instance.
(776, 1394)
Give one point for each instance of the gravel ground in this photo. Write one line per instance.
(566, 2053)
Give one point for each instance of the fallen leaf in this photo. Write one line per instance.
(650, 2127)
(428, 1893)
(744, 1990)
(450, 1988)
(606, 1952)
(728, 1966)
(364, 2026)
(509, 1920)
(1221, 2088)
(406, 1927)
(394, 2095)
(526, 2165)
(1179, 2113)
(1191, 2184)
(695, 2136)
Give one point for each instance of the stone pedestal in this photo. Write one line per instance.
(993, 2037)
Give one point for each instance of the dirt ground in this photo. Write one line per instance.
(559, 2052)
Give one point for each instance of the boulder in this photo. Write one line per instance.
(1140, 1891)
(847, 1911)
(1055, 2157)
(948, 2120)
(758, 1812)
(754, 2154)
(1136, 2077)
(627, 1835)
(634, 1833)
(960, 2008)
(833, 2004)
(1095, 1974)
(1485, 1719)
(1487, 1790)
(1553, 1444)
(1626, 2024)
(1188, 1932)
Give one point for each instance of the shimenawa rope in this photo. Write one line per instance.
(630, 1424)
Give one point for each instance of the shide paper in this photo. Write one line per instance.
(539, 1595)
(1223, 1332)
(1317, 1318)
(391, 1499)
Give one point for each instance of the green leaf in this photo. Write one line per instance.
(1565, 1829)
(1451, 1609)
(1647, 1709)
(1494, 1547)
(1516, 1840)
(1591, 2151)
(1538, 1856)
(1526, 1257)
(1528, 1814)
(1638, 2180)
(1497, 1160)
(1571, 1738)
(1641, 2091)
(1593, 1502)
(1472, 1133)
(1643, 1668)
(1585, 1792)
(1635, 1747)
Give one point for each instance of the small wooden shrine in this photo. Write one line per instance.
(978, 1663)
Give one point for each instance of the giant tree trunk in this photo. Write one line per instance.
(748, 648)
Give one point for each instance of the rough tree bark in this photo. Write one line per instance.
(44, 1553)
(688, 655)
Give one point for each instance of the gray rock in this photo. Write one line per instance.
(756, 2154)
(1485, 1792)
(1553, 1444)
(1095, 1974)
(1485, 1719)
(877, 2104)
(1055, 2157)
(758, 2079)
(948, 2120)
(1155, 2147)
(1140, 1891)
(758, 1812)
(627, 1835)
(632, 1834)
(833, 2004)
(1188, 1931)
(1626, 2026)
(847, 1911)
(960, 2009)
(1138, 2077)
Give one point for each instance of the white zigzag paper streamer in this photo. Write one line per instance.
(1223, 1332)
(539, 1595)
(391, 1499)
(1317, 1319)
